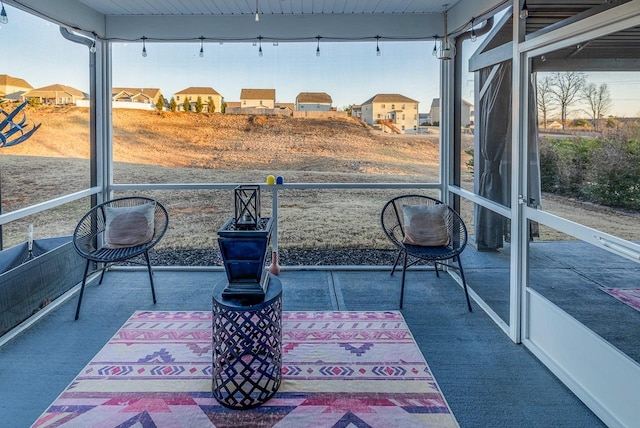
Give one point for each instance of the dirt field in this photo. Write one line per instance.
(153, 147)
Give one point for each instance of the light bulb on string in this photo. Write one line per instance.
(474, 36)
(259, 45)
(93, 49)
(447, 49)
(378, 52)
(524, 12)
(434, 52)
(201, 46)
(318, 47)
(144, 47)
(257, 12)
(4, 19)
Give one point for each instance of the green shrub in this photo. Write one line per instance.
(549, 179)
(603, 171)
(564, 164)
(614, 178)
(469, 163)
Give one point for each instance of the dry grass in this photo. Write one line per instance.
(153, 147)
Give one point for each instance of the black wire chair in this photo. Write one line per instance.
(89, 234)
(392, 221)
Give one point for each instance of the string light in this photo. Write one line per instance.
(447, 49)
(3, 15)
(93, 49)
(524, 12)
(257, 13)
(144, 47)
(474, 37)
(258, 42)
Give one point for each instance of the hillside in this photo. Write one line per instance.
(234, 142)
(153, 147)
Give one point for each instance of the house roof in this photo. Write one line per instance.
(389, 98)
(290, 106)
(258, 94)
(233, 104)
(313, 97)
(436, 102)
(6, 80)
(149, 92)
(47, 90)
(198, 90)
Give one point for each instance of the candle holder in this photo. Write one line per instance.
(247, 206)
(243, 241)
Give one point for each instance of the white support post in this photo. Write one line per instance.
(274, 268)
(446, 128)
(519, 109)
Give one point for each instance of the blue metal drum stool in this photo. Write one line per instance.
(247, 348)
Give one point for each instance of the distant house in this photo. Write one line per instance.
(391, 113)
(205, 95)
(12, 88)
(356, 111)
(261, 98)
(56, 94)
(434, 113)
(136, 95)
(286, 109)
(313, 101)
(554, 125)
(467, 114)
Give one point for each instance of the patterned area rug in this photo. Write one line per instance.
(630, 296)
(340, 369)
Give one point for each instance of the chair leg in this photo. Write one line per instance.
(435, 265)
(84, 281)
(395, 264)
(464, 283)
(104, 269)
(153, 291)
(404, 270)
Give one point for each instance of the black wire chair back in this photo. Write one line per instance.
(88, 237)
(392, 221)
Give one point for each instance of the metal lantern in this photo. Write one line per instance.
(247, 206)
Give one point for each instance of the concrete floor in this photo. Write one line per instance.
(487, 380)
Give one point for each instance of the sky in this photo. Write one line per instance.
(350, 72)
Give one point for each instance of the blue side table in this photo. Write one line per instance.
(247, 348)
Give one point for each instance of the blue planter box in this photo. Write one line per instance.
(243, 254)
(28, 282)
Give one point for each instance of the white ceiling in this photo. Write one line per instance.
(268, 7)
(284, 20)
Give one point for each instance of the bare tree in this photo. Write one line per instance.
(565, 90)
(544, 99)
(598, 100)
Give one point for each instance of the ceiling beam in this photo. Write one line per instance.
(276, 27)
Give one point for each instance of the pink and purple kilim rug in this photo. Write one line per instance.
(340, 369)
(630, 296)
